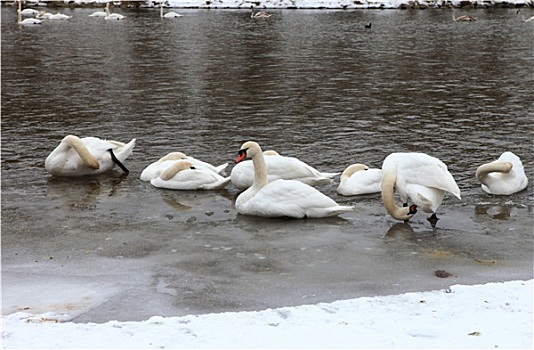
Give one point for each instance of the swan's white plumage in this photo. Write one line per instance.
(421, 178)
(155, 169)
(281, 198)
(30, 21)
(98, 14)
(29, 12)
(187, 177)
(280, 167)
(65, 159)
(359, 179)
(503, 183)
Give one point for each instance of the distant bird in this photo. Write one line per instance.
(503, 176)
(171, 14)
(29, 12)
(519, 12)
(368, 26)
(112, 16)
(259, 14)
(464, 18)
(98, 14)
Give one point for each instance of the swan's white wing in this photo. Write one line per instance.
(424, 170)
(290, 198)
(192, 179)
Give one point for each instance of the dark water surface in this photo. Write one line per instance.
(311, 84)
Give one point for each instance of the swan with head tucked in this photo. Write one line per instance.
(259, 14)
(418, 177)
(155, 169)
(464, 18)
(87, 156)
(29, 12)
(280, 167)
(183, 175)
(503, 176)
(281, 198)
(359, 179)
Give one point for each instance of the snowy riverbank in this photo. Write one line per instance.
(495, 315)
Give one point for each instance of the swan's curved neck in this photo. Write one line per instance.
(261, 177)
(388, 197)
(75, 143)
(495, 167)
(161, 9)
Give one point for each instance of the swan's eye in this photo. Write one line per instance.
(242, 152)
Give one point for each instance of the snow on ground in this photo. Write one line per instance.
(494, 315)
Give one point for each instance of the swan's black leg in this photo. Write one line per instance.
(118, 162)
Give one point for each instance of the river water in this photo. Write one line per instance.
(315, 85)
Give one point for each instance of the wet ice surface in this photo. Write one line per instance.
(99, 251)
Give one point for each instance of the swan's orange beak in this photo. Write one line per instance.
(241, 155)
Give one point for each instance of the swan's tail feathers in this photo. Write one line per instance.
(220, 169)
(330, 175)
(332, 211)
(218, 185)
(125, 151)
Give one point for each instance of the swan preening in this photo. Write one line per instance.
(519, 12)
(87, 156)
(280, 167)
(359, 179)
(259, 14)
(503, 176)
(281, 198)
(419, 178)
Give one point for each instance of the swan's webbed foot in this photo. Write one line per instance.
(433, 219)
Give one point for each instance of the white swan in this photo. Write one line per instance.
(280, 167)
(519, 12)
(289, 198)
(155, 169)
(98, 14)
(464, 18)
(170, 14)
(112, 16)
(87, 156)
(359, 179)
(29, 12)
(417, 177)
(503, 176)
(56, 16)
(182, 175)
(259, 14)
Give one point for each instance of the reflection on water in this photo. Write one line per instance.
(495, 212)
